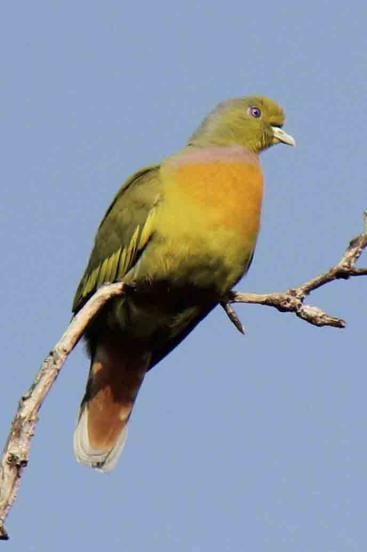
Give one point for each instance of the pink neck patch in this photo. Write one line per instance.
(215, 154)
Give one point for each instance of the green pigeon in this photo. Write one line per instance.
(180, 234)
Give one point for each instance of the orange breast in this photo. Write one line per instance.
(229, 195)
(208, 222)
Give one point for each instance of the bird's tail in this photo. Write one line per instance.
(116, 374)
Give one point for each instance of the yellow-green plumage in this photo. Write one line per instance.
(180, 234)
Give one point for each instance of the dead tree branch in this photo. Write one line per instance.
(293, 299)
(17, 449)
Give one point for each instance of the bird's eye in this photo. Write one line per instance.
(254, 111)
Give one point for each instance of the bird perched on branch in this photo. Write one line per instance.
(180, 234)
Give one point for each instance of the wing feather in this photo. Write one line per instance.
(123, 234)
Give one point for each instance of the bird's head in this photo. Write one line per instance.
(254, 122)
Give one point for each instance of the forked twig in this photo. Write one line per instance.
(293, 299)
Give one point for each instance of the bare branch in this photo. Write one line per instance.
(292, 300)
(17, 449)
(288, 302)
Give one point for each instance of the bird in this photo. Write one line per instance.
(179, 234)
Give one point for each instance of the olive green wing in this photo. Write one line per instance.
(123, 233)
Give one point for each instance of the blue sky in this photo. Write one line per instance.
(237, 443)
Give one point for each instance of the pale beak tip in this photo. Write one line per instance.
(281, 136)
(292, 142)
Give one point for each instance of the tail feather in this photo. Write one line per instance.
(96, 458)
(116, 374)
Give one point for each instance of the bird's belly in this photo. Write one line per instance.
(208, 225)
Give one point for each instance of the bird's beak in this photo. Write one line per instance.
(280, 136)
